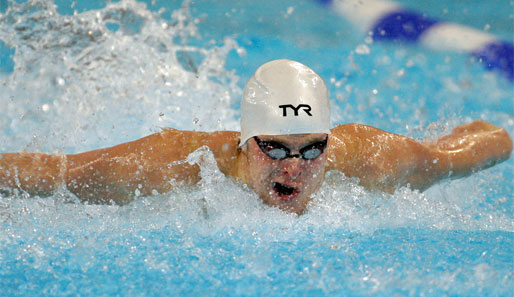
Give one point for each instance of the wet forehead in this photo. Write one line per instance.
(295, 140)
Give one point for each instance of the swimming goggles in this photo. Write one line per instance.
(278, 151)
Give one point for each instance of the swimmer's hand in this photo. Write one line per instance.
(386, 161)
(31, 173)
(474, 146)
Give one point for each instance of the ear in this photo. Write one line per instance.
(242, 163)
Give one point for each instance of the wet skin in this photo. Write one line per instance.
(287, 183)
(380, 160)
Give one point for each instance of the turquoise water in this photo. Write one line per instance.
(96, 74)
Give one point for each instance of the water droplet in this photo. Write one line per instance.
(362, 49)
(241, 51)
(60, 81)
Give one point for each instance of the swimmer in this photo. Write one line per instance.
(282, 153)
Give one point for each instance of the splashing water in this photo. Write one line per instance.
(114, 74)
(134, 78)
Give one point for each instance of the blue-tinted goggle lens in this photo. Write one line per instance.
(278, 151)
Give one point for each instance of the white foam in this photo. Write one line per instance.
(98, 87)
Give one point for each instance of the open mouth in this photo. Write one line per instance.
(285, 192)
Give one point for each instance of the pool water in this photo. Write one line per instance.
(88, 74)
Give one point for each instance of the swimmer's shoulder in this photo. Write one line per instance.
(223, 144)
(350, 146)
(352, 136)
(355, 130)
(178, 144)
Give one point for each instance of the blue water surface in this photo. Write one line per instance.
(86, 74)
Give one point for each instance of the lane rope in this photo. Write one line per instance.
(386, 20)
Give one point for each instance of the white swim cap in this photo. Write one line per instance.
(284, 97)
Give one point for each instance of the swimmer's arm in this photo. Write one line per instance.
(473, 147)
(153, 164)
(386, 161)
(116, 174)
(119, 174)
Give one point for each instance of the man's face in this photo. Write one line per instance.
(289, 182)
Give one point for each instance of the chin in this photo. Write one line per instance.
(296, 210)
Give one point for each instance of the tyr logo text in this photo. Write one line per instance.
(305, 108)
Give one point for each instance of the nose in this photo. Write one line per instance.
(292, 167)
